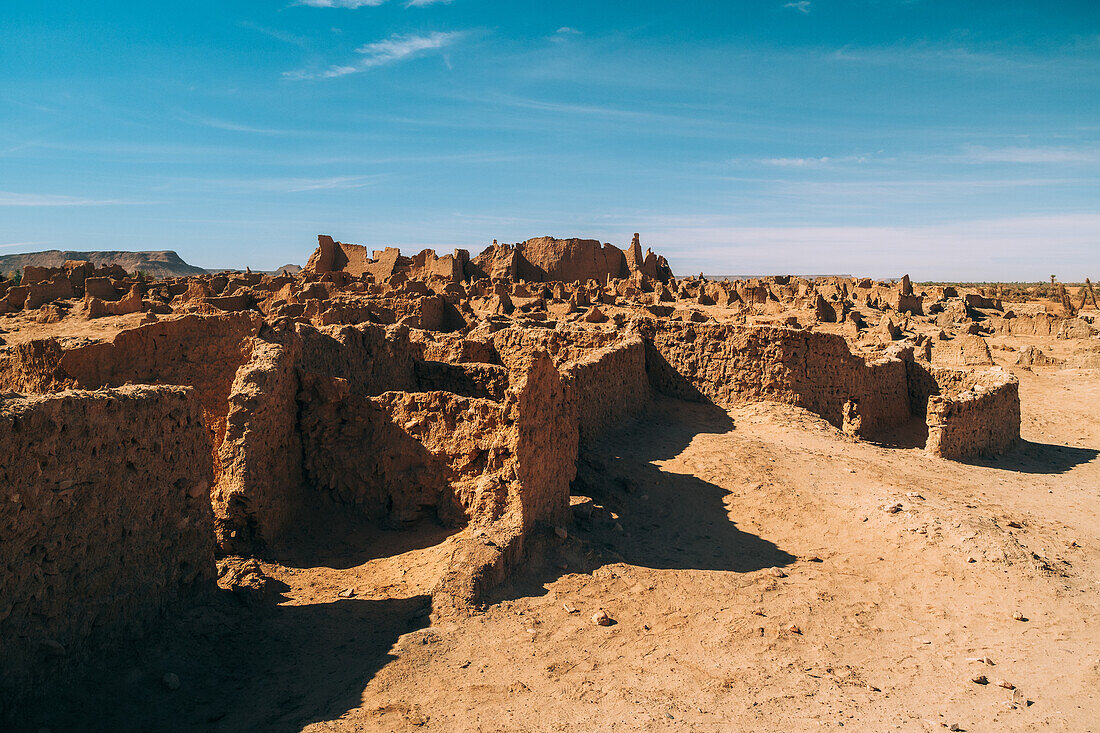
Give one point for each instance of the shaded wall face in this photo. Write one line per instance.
(733, 364)
(372, 359)
(400, 457)
(106, 521)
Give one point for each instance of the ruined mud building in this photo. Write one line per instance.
(229, 407)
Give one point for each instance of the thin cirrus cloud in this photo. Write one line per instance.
(8, 198)
(354, 4)
(380, 53)
(1032, 155)
(802, 6)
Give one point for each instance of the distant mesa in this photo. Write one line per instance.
(543, 259)
(165, 263)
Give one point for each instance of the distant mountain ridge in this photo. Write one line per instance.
(165, 263)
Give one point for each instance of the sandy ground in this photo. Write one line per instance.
(754, 579)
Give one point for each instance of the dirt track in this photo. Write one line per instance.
(890, 607)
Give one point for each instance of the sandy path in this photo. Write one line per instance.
(889, 608)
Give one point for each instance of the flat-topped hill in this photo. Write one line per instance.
(165, 263)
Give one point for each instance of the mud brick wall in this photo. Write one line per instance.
(607, 385)
(373, 359)
(733, 364)
(258, 493)
(513, 344)
(1044, 324)
(982, 420)
(963, 350)
(401, 456)
(105, 519)
(546, 441)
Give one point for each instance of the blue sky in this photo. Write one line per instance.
(944, 138)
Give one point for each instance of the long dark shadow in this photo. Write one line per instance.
(275, 668)
(1037, 458)
(662, 520)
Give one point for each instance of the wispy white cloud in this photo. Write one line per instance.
(814, 162)
(802, 6)
(302, 185)
(13, 245)
(8, 198)
(353, 4)
(1052, 155)
(563, 34)
(278, 35)
(350, 4)
(393, 49)
(219, 124)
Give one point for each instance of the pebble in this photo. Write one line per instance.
(794, 629)
(171, 680)
(561, 532)
(777, 573)
(914, 495)
(892, 508)
(601, 619)
(980, 679)
(1006, 684)
(346, 593)
(1019, 616)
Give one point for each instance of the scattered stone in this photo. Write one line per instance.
(1006, 684)
(792, 629)
(171, 680)
(601, 619)
(892, 508)
(347, 593)
(980, 679)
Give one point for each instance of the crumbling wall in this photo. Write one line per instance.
(607, 385)
(729, 364)
(514, 344)
(400, 456)
(106, 521)
(469, 379)
(203, 352)
(1043, 324)
(981, 420)
(34, 366)
(545, 454)
(546, 444)
(373, 359)
(963, 350)
(259, 491)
